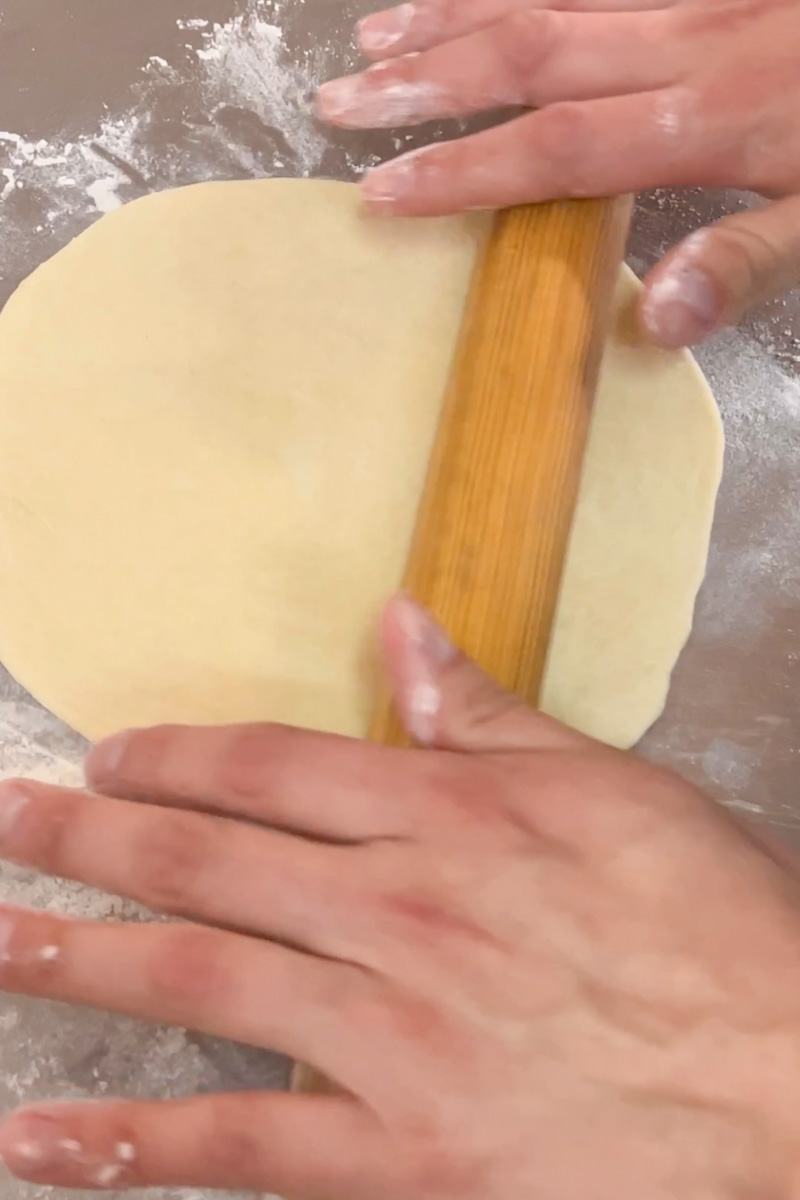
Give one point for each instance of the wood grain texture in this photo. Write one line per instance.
(495, 517)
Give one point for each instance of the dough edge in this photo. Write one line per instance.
(619, 720)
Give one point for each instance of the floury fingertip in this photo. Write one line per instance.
(426, 650)
(382, 97)
(389, 186)
(40, 1144)
(680, 306)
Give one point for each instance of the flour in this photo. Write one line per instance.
(729, 730)
(761, 410)
(234, 106)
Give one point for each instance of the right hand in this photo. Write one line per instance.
(538, 968)
(630, 95)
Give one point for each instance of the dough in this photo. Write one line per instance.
(639, 543)
(216, 410)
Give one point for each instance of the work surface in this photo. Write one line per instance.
(100, 103)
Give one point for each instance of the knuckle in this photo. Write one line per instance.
(419, 915)
(185, 966)
(566, 139)
(679, 109)
(393, 72)
(118, 1159)
(35, 957)
(442, 1170)
(440, 1162)
(343, 988)
(46, 840)
(251, 756)
(471, 795)
(147, 756)
(404, 1017)
(742, 254)
(173, 860)
(440, 17)
(526, 39)
(477, 800)
(420, 1021)
(233, 1147)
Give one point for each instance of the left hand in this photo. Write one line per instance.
(535, 966)
(629, 95)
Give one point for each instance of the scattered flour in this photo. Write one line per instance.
(732, 729)
(758, 566)
(232, 104)
(236, 106)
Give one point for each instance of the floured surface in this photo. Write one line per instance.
(232, 103)
(732, 721)
(210, 480)
(227, 95)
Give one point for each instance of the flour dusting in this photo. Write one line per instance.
(235, 106)
(731, 732)
(762, 430)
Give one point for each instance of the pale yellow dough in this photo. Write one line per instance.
(216, 409)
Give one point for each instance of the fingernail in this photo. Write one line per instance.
(389, 185)
(425, 632)
(380, 31)
(427, 650)
(380, 189)
(681, 306)
(381, 98)
(13, 800)
(33, 1142)
(107, 756)
(41, 1143)
(337, 100)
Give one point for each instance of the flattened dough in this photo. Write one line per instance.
(216, 409)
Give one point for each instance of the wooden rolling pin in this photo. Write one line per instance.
(495, 518)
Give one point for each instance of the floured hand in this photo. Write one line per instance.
(535, 966)
(630, 94)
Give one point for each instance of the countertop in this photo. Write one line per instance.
(100, 103)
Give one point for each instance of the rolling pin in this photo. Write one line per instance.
(495, 517)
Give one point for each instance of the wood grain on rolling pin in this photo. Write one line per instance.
(495, 517)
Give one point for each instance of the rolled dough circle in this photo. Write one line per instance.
(216, 410)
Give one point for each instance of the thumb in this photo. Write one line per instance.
(713, 277)
(445, 701)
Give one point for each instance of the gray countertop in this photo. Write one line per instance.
(100, 103)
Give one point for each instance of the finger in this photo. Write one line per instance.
(531, 58)
(218, 983)
(713, 277)
(410, 28)
(223, 872)
(331, 787)
(276, 1143)
(597, 148)
(769, 842)
(447, 702)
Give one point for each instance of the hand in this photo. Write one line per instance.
(631, 94)
(535, 966)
